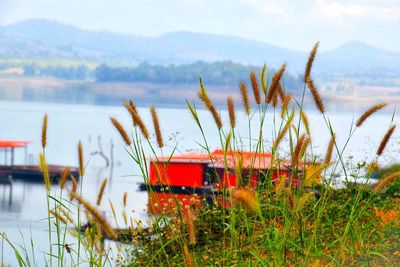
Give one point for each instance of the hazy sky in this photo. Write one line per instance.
(294, 24)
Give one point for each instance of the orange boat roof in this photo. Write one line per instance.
(217, 158)
(13, 143)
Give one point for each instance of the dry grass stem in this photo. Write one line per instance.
(275, 83)
(99, 218)
(329, 150)
(386, 181)
(254, 84)
(245, 97)
(121, 131)
(101, 192)
(310, 62)
(210, 106)
(44, 131)
(156, 125)
(369, 112)
(385, 140)
(64, 177)
(231, 109)
(316, 96)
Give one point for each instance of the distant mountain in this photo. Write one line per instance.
(48, 39)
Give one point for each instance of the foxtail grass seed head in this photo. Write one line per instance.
(329, 150)
(202, 88)
(66, 214)
(369, 112)
(373, 166)
(125, 198)
(156, 125)
(99, 218)
(45, 171)
(228, 141)
(275, 83)
(139, 122)
(187, 256)
(231, 109)
(280, 92)
(80, 158)
(310, 62)
(245, 97)
(313, 173)
(59, 217)
(125, 216)
(64, 177)
(210, 106)
(44, 131)
(247, 199)
(190, 225)
(285, 104)
(305, 121)
(264, 84)
(130, 106)
(194, 113)
(304, 200)
(74, 184)
(121, 131)
(386, 181)
(254, 84)
(101, 192)
(385, 140)
(283, 132)
(296, 152)
(304, 147)
(275, 101)
(316, 96)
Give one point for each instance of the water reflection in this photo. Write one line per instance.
(6, 189)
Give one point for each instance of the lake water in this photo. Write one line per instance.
(23, 217)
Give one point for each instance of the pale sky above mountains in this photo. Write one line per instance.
(289, 23)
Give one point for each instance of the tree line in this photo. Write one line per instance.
(216, 73)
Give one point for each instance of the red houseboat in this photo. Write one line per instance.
(189, 177)
(26, 172)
